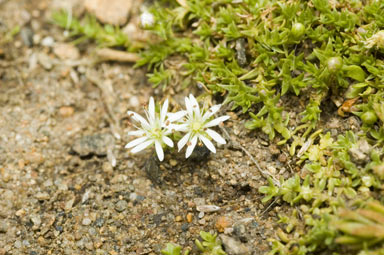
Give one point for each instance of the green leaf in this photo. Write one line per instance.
(355, 72)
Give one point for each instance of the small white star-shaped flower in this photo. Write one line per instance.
(147, 19)
(197, 126)
(155, 130)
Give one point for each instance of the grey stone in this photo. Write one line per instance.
(97, 144)
(86, 221)
(240, 52)
(113, 12)
(360, 152)
(3, 226)
(26, 35)
(121, 206)
(233, 246)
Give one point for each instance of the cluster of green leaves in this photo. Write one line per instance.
(262, 54)
(8, 35)
(256, 52)
(209, 245)
(336, 172)
(363, 227)
(89, 28)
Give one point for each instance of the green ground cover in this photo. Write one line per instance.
(260, 55)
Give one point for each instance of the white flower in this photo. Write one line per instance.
(154, 130)
(376, 39)
(197, 126)
(147, 19)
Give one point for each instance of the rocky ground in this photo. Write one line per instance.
(68, 186)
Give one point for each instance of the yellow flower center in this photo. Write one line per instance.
(196, 126)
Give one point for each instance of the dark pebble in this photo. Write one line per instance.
(32, 253)
(99, 222)
(157, 218)
(140, 198)
(152, 169)
(93, 145)
(185, 227)
(59, 228)
(200, 153)
(241, 56)
(26, 35)
(121, 206)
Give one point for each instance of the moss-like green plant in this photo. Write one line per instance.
(7, 36)
(89, 28)
(283, 64)
(210, 245)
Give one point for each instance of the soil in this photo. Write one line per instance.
(68, 186)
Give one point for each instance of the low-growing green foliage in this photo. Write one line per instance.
(209, 245)
(7, 36)
(348, 169)
(257, 52)
(90, 28)
(284, 63)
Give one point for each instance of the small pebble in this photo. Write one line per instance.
(41, 240)
(36, 220)
(42, 196)
(207, 208)
(86, 221)
(185, 227)
(132, 196)
(45, 61)
(134, 102)
(233, 246)
(99, 222)
(66, 111)
(173, 162)
(202, 222)
(3, 227)
(189, 217)
(18, 244)
(47, 41)
(66, 51)
(26, 35)
(222, 223)
(178, 218)
(201, 215)
(121, 206)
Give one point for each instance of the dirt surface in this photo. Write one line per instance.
(63, 126)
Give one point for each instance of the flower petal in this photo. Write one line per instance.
(142, 146)
(138, 118)
(167, 141)
(159, 150)
(176, 127)
(135, 142)
(215, 136)
(164, 110)
(207, 143)
(176, 116)
(211, 111)
(191, 147)
(195, 105)
(151, 109)
(136, 133)
(183, 141)
(216, 121)
(188, 106)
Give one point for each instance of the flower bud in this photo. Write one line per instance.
(298, 30)
(147, 20)
(334, 64)
(369, 118)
